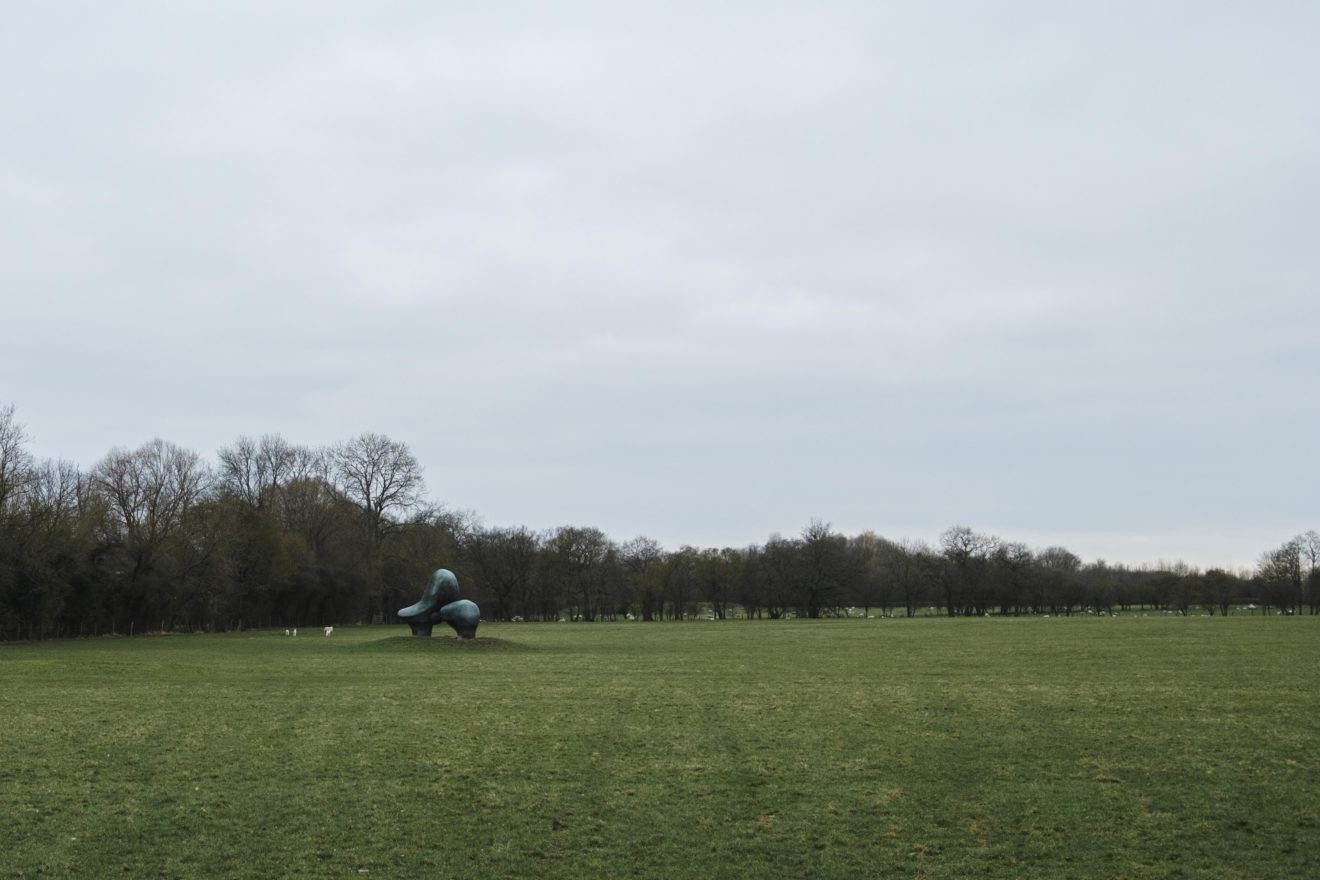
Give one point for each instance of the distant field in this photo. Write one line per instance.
(1002, 748)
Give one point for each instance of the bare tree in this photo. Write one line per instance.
(1281, 574)
(751, 582)
(827, 569)
(576, 559)
(1219, 590)
(874, 586)
(380, 476)
(255, 470)
(1056, 580)
(36, 554)
(1308, 545)
(53, 496)
(719, 575)
(642, 559)
(148, 492)
(681, 582)
(1309, 548)
(779, 565)
(966, 580)
(503, 561)
(15, 461)
(1013, 562)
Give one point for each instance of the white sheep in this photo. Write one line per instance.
(328, 630)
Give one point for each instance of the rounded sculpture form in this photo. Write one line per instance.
(463, 616)
(440, 603)
(440, 590)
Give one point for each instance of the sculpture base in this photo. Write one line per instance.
(466, 632)
(421, 628)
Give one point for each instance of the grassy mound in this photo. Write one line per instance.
(441, 643)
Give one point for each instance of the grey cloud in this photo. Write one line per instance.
(702, 272)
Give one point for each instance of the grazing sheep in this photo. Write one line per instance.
(286, 632)
(295, 631)
(328, 630)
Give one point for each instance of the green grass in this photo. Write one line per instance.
(1051, 748)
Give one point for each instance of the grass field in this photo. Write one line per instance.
(1052, 748)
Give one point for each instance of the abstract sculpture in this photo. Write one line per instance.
(440, 603)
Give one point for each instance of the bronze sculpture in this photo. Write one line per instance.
(440, 603)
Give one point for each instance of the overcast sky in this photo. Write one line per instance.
(699, 271)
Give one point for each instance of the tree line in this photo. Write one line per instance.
(276, 534)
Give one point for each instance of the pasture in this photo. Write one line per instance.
(1004, 748)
